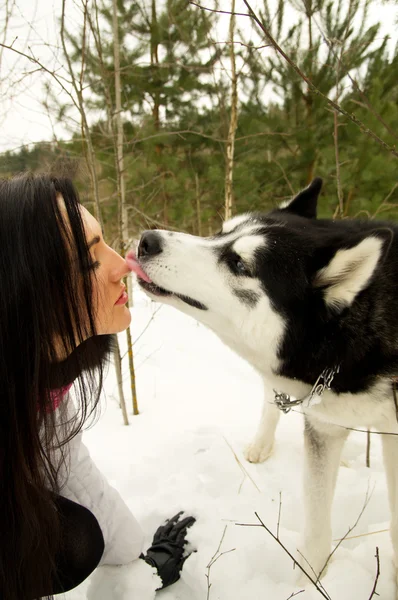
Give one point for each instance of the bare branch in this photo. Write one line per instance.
(8, 9)
(374, 593)
(86, 134)
(361, 535)
(316, 583)
(367, 103)
(350, 529)
(295, 594)
(243, 469)
(209, 137)
(284, 175)
(214, 559)
(315, 90)
(279, 515)
(384, 204)
(223, 12)
(43, 68)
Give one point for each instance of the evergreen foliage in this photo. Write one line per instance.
(176, 106)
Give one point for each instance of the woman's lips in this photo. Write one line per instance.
(122, 298)
(135, 267)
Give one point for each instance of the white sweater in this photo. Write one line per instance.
(123, 536)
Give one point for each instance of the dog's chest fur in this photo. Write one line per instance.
(372, 409)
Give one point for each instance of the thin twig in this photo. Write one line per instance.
(42, 67)
(336, 144)
(244, 470)
(149, 322)
(238, 43)
(284, 176)
(367, 499)
(214, 559)
(206, 136)
(223, 12)
(279, 515)
(313, 581)
(358, 89)
(373, 592)
(368, 449)
(85, 129)
(385, 201)
(361, 535)
(315, 90)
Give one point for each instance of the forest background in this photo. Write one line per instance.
(188, 113)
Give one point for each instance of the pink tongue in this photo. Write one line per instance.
(135, 267)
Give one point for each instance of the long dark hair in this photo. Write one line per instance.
(46, 290)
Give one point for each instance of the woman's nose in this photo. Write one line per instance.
(119, 269)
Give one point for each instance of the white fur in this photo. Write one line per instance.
(247, 245)
(231, 224)
(189, 265)
(349, 272)
(286, 203)
(250, 228)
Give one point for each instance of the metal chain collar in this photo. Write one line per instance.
(285, 403)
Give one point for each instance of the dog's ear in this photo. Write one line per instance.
(305, 203)
(351, 269)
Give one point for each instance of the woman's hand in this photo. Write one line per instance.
(167, 551)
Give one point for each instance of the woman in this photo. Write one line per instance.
(61, 297)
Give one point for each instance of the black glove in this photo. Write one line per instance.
(166, 552)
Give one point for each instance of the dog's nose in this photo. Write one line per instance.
(150, 244)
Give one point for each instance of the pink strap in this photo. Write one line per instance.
(57, 396)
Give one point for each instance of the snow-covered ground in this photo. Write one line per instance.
(199, 406)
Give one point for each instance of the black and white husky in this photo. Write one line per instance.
(306, 302)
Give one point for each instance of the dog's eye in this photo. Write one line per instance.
(239, 266)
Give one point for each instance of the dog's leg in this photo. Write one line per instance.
(322, 450)
(261, 447)
(390, 453)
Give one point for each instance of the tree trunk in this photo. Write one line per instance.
(233, 122)
(86, 136)
(198, 208)
(155, 65)
(121, 187)
(119, 377)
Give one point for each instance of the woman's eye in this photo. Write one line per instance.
(93, 266)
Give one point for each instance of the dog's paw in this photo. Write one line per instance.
(258, 453)
(314, 559)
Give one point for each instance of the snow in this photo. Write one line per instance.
(199, 406)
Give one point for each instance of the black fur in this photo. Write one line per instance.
(362, 338)
(249, 297)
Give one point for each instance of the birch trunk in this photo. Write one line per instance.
(95, 30)
(121, 186)
(119, 378)
(198, 208)
(229, 166)
(87, 142)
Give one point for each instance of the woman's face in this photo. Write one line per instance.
(109, 292)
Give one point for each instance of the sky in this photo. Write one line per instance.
(34, 29)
